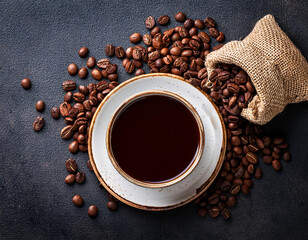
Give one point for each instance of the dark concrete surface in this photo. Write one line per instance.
(38, 39)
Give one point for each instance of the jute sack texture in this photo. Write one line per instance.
(276, 67)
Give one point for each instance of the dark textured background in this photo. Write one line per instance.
(38, 39)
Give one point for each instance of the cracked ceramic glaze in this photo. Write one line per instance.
(188, 188)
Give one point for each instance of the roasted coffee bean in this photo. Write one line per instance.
(213, 199)
(251, 157)
(119, 52)
(137, 54)
(71, 165)
(69, 121)
(64, 108)
(69, 85)
(96, 74)
(111, 68)
(92, 211)
(275, 155)
(214, 212)
(287, 156)
(79, 106)
(38, 124)
(231, 202)
(221, 37)
(183, 32)
(103, 63)
(199, 24)
(139, 72)
(135, 38)
(55, 112)
(102, 85)
(68, 97)
(163, 20)
(245, 189)
(225, 186)
(109, 50)
(204, 37)
(79, 97)
(154, 31)
(70, 179)
(147, 39)
(234, 190)
(113, 84)
(189, 23)
(180, 17)
(83, 52)
(258, 173)
(26, 83)
(73, 147)
(278, 140)
(226, 214)
(91, 62)
(129, 67)
(239, 172)
(202, 212)
(149, 22)
(83, 148)
(83, 72)
(210, 22)
(72, 69)
(112, 205)
(81, 139)
(67, 132)
(89, 165)
(40, 106)
(80, 177)
(83, 89)
(276, 165)
(78, 201)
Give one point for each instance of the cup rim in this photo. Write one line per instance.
(191, 165)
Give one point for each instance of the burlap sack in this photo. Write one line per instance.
(276, 67)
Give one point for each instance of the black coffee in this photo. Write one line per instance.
(155, 138)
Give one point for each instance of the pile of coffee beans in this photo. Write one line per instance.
(232, 90)
(182, 51)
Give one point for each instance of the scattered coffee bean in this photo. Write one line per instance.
(91, 62)
(92, 211)
(139, 72)
(287, 156)
(89, 165)
(96, 74)
(163, 20)
(210, 22)
(55, 112)
(71, 165)
(38, 124)
(149, 22)
(72, 69)
(83, 72)
(214, 212)
(180, 17)
(73, 147)
(40, 106)
(78, 201)
(26, 83)
(109, 50)
(69, 85)
(80, 177)
(112, 205)
(83, 52)
(276, 165)
(202, 212)
(135, 38)
(119, 51)
(226, 213)
(70, 179)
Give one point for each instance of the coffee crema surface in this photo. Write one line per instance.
(155, 138)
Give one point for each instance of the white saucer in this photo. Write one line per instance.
(187, 189)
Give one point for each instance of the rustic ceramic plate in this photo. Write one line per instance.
(189, 188)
